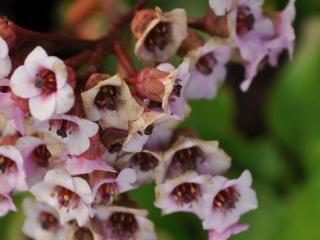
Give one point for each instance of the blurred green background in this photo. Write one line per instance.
(273, 130)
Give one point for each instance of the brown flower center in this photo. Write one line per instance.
(48, 221)
(206, 63)
(106, 193)
(108, 97)
(42, 155)
(7, 165)
(186, 193)
(121, 226)
(83, 233)
(226, 199)
(158, 37)
(46, 80)
(145, 161)
(64, 127)
(245, 20)
(184, 160)
(66, 198)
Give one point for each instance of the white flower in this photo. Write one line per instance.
(71, 197)
(71, 130)
(5, 62)
(41, 221)
(43, 80)
(12, 172)
(111, 102)
(226, 200)
(125, 223)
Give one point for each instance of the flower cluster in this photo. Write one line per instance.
(80, 143)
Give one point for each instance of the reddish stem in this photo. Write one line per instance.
(124, 60)
(79, 59)
(28, 35)
(197, 23)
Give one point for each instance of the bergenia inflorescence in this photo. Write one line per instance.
(79, 141)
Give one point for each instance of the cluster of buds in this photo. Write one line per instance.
(80, 143)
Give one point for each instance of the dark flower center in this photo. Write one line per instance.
(64, 127)
(186, 193)
(7, 165)
(206, 63)
(158, 38)
(115, 147)
(106, 193)
(145, 161)
(66, 198)
(46, 80)
(245, 20)
(121, 226)
(42, 155)
(184, 160)
(108, 97)
(83, 233)
(177, 88)
(4, 89)
(226, 199)
(148, 130)
(48, 221)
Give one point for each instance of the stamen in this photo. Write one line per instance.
(206, 63)
(145, 161)
(186, 193)
(158, 38)
(46, 80)
(245, 20)
(7, 165)
(48, 221)
(108, 97)
(83, 233)
(122, 226)
(226, 199)
(42, 155)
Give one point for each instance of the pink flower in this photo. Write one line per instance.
(182, 194)
(125, 223)
(10, 108)
(250, 30)
(107, 188)
(5, 62)
(226, 200)
(6, 204)
(77, 165)
(111, 102)
(6, 127)
(174, 101)
(41, 221)
(146, 164)
(285, 35)
(71, 130)
(233, 230)
(12, 173)
(158, 34)
(192, 154)
(43, 80)
(39, 156)
(71, 197)
(209, 70)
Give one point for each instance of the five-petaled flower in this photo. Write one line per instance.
(70, 196)
(43, 80)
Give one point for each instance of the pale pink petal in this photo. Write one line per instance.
(65, 99)
(34, 60)
(22, 84)
(59, 68)
(43, 107)
(4, 49)
(5, 67)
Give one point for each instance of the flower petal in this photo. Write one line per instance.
(65, 99)
(33, 62)
(43, 107)
(22, 84)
